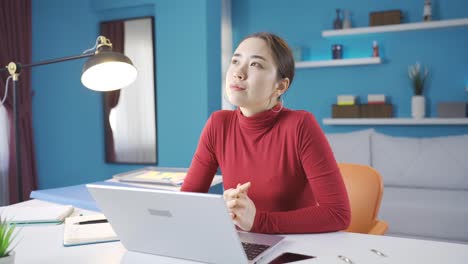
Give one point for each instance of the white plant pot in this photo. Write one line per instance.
(10, 259)
(418, 106)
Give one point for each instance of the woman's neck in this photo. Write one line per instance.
(248, 111)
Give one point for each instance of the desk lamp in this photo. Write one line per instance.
(105, 70)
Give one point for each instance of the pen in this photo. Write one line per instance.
(100, 221)
(378, 252)
(345, 259)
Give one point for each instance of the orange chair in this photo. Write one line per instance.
(365, 189)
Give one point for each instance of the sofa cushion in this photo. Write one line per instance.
(424, 212)
(438, 162)
(353, 147)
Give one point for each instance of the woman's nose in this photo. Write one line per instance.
(239, 73)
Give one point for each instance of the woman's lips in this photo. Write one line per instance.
(236, 88)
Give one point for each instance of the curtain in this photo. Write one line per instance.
(4, 129)
(129, 118)
(135, 116)
(114, 31)
(15, 45)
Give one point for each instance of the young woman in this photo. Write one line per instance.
(278, 170)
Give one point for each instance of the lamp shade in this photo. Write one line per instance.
(108, 71)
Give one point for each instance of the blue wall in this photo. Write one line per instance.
(301, 22)
(68, 121)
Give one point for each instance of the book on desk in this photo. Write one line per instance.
(50, 214)
(87, 229)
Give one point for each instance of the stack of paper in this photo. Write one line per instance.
(376, 99)
(36, 214)
(346, 100)
(82, 230)
(147, 175)
(157, 177)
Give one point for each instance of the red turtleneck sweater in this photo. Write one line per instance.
(296, 184)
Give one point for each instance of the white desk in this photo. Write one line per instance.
(43, 244)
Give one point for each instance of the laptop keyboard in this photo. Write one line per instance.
(253, 250)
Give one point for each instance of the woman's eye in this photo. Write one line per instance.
(234, 62)
(256, 64)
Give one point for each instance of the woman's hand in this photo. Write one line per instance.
(241, 208)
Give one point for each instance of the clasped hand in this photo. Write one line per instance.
(240, 206)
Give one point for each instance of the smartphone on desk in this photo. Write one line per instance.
(288, 257)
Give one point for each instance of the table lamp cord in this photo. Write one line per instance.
(6, 90)
(93, 48)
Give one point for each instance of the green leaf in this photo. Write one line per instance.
(7, 236)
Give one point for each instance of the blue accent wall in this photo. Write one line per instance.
(67, 117)
(301, 22)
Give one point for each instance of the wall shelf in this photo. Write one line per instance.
(337, 63)
(395, 121)
(399, 27)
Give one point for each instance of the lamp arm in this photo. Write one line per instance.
(59, 60)
(102, 43)
(14, 67)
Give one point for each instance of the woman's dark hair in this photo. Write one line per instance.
(282, 54)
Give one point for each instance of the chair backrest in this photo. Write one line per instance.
(365, 189)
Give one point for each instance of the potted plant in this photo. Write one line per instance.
(418, 80)
(7, 236)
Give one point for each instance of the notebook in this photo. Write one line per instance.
(148, 175)
(36, 214)
(167, 178)
(87, 229)
(183, 225)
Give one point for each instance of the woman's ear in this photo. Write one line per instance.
(283, 86)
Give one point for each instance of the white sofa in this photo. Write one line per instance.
(425, 181)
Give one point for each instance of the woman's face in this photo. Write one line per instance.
(251, 79)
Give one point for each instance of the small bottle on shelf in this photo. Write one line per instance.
(427, 13)
(337, 23)
(337, 51)
(375, 49)
(346, 19)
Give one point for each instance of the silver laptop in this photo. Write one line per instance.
(192, 226)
